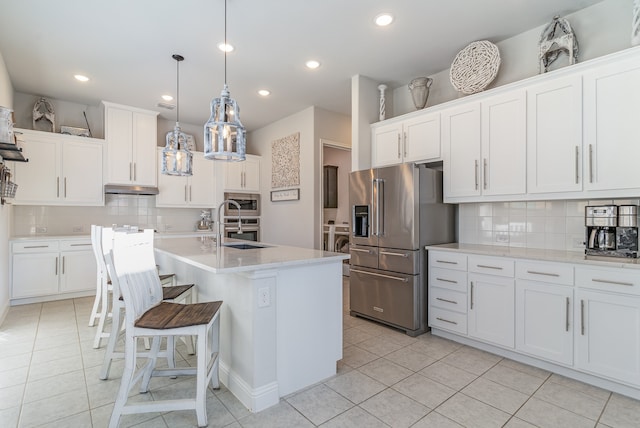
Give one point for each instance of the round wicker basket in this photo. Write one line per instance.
(475, 67)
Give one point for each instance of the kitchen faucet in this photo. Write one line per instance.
(219, 234)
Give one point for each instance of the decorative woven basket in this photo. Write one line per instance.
(475, 67)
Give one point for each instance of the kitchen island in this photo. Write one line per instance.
(281, 321)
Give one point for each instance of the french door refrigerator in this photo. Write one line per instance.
(396, 211)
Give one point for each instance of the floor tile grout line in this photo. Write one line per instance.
(604, 408)
(26, 381)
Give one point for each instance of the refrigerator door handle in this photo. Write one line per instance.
(389, 253)
(380, 207)
(375, 209)
(397, 278)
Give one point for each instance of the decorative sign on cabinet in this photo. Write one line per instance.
(62, 170)
(131, 136)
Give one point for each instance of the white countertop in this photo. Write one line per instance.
(202, 252)
(157, 235)
(538, 254)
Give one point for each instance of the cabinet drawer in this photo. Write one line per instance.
(618, 280)
(498, 266)
(448, 320)
(448, 260)
(555, 273)
(76, 245)
(35, 247)
(445, 278)
(447, 299)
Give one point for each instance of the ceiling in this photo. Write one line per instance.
(125, 47)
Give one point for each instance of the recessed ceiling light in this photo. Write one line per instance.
(225, 47)
(264, 92)
(167, 97)
(312, 64)
(81, 78)
(384, 19)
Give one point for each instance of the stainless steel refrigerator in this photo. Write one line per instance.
(396, 211)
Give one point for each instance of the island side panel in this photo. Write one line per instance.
(309, 324)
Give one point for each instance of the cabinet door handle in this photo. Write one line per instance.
(444, 320)
(56, 266)
(447, 280)
(446, 300)
(190, 194)
(533, 272)
(399, 155)
(405, 144)
(590, 163)
(65, 187)
(577, 164)
(471, 300)
(57, 187)
(79, 245)
(185, 193)
(489, 267)
(134, 172)
(608, 281)
(566, 324)
(36, 246)
(484, 174)
(447, 262)
(130, 169)
(63, 257)
(476, 173)
(582, 317)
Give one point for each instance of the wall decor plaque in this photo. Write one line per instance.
(285, 195)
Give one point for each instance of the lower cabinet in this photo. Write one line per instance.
(50, 268)
(577, 316)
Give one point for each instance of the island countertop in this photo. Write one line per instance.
(202, 252)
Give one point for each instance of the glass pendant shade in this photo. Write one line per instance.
(176, 157)
(224, 135)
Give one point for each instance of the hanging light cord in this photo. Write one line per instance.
(178, 90)
(226, 46)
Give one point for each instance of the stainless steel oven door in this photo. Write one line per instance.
(249, 204)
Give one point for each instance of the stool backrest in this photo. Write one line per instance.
(134, 269)
(96, 245)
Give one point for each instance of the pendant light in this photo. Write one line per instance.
(176, 157)
(224, 135)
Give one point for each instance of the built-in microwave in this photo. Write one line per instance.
(250, 229)
(249, 204)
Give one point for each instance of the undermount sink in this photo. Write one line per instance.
(243, 246)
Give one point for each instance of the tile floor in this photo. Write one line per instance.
(49, 378)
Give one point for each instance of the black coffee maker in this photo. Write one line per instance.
(612, 230)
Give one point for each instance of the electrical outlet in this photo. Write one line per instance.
(41, 229)
(264, 297)
(77, 229)
(167, 227)
(578, 243)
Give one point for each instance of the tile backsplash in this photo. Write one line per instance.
(133, 210)
(554, 225)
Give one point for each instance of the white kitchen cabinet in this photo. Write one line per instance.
(50, 268)
(491, 294)
(611, 112)
(447, 292)
(62, 170)
(504, 144)
(131, 136)
(416, 139)
(461, 151)
(544, 320)
(484, 145)
(197, 191)
(554, 136)
(242, 176)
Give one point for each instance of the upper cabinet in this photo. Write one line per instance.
(131, 136)
(242, 176)
(196, 191)
(416, 139)
(62, 170)
(611, 112)
(484, 147)
(554, 136)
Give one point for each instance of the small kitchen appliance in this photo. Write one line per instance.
(205, 220)
(612, 230)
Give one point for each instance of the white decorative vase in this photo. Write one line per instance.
(419, 88)
(635, 24)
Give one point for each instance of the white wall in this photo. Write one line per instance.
(600, 29)
(6, 100)
(297, 223)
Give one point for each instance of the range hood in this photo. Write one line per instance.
(116, 189)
